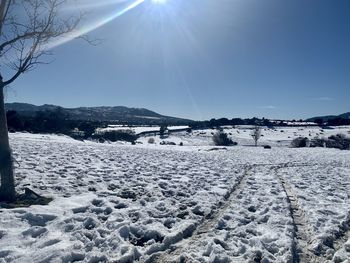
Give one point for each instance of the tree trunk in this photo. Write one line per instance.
(7, 187)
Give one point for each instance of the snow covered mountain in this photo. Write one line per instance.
(118, 113)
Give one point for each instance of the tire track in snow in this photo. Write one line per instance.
(208, 223)
(302, 232)
(303, 235)
(343, 235)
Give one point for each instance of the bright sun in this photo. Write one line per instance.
(159, 1)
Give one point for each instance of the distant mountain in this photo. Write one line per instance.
(107, 114)
(345, 115)
(331, 117)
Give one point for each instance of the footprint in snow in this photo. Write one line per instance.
(37, 219)
(34, 231)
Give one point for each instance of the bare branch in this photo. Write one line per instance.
(7, 9)
(27, 35)
(28, 28)
(93, 42)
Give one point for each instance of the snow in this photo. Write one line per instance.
(279, 136)
(158, 203)
(139, 129)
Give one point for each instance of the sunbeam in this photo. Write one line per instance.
(94, 4)
(88, 28)
(159, 1)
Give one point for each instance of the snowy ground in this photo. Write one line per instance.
(153, 203)
(138, 129)
(279, 136)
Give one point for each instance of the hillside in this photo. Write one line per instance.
(330, 117)
(112, 114)
(345, 115)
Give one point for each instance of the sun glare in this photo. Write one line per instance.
(159, 1)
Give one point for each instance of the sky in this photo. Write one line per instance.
(202, 59)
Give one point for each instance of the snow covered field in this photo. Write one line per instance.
(279, 136)
(138, 129)
(153, 203)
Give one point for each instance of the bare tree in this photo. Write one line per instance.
(27, 27)
(256, 134)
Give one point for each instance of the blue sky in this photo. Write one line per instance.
(202, 59)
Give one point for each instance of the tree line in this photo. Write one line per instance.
(59, 122)
(338, 121)
(52, 122)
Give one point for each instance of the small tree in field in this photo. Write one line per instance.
(256, 134)
(162, 130)
(26, 29)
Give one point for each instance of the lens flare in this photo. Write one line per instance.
(88, 28)
(159, 1)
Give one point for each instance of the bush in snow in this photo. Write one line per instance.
(318, 142)
(221, 139)
(339, 141)
(118, 135)
(151, 141)
(167, 143)
(300, 142)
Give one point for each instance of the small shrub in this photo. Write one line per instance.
(339, 141)
(167, 143)
(181, 144)
(300, 142)
(221, 139)
(151, 141)
(318, 142)
(118, 135)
